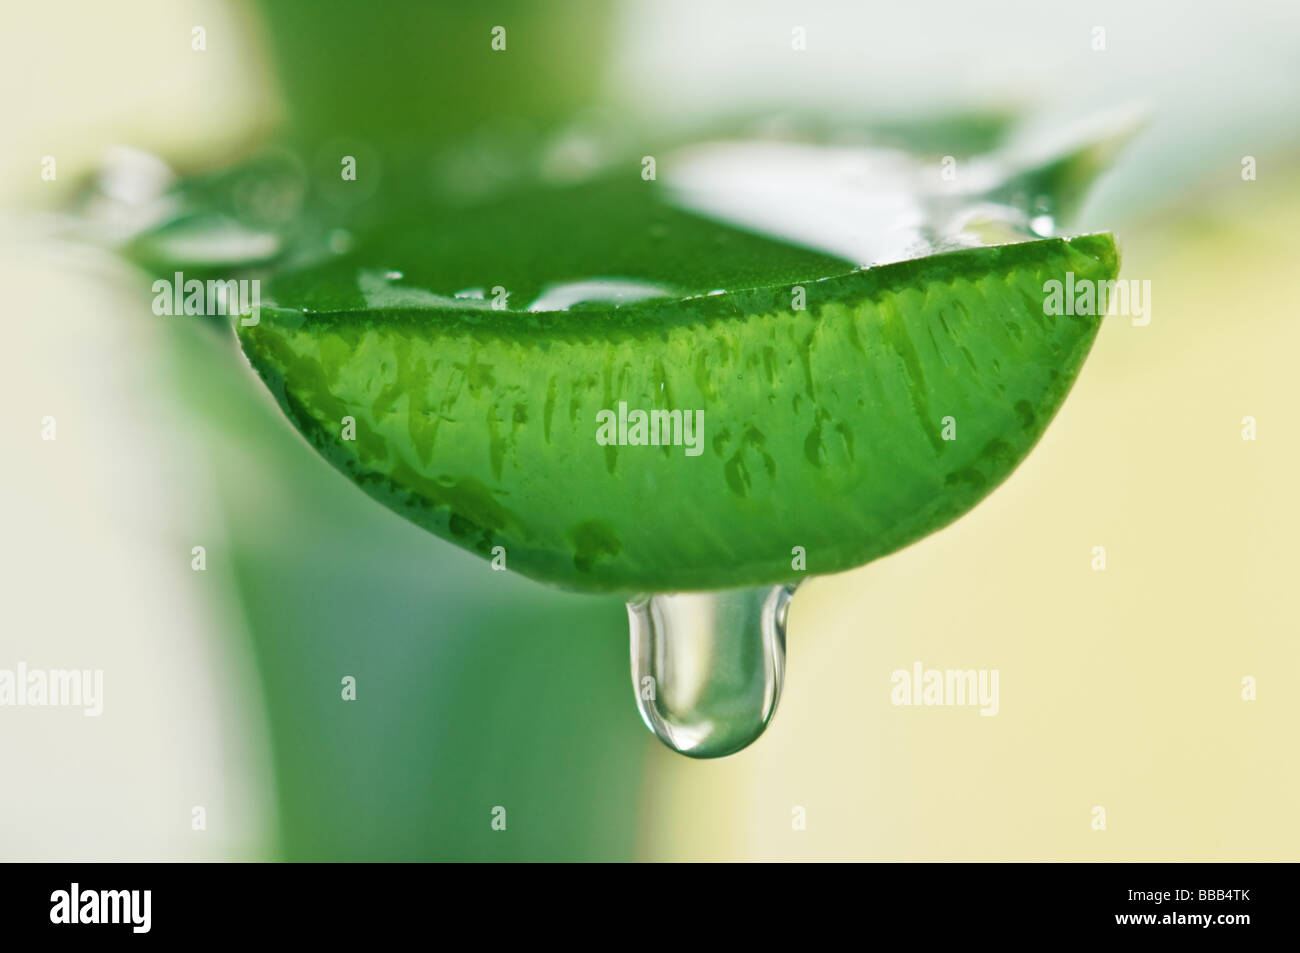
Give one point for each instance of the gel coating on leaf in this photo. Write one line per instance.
(822, 428)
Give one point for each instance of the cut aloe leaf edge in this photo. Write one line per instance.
(824, 431)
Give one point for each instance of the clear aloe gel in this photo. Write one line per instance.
(708, 667)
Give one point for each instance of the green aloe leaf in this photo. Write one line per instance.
(821, 427)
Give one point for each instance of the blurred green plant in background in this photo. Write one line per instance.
(474, 688)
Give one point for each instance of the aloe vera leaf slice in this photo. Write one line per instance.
(822, 428)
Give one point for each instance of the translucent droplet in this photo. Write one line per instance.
(378, 289)
(213, 241)
(615, 291)
(708, 667)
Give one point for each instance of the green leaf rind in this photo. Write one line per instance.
(822, 427)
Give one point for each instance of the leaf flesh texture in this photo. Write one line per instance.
(822, 428)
